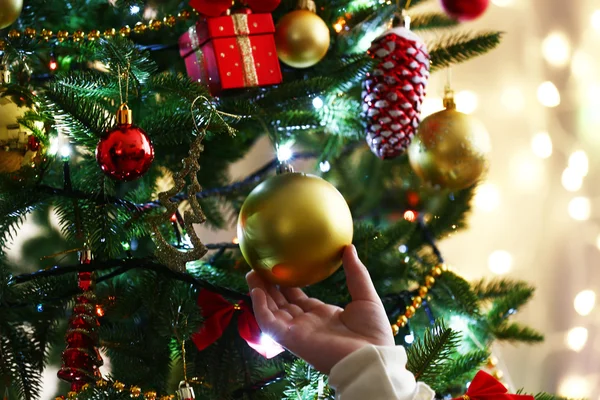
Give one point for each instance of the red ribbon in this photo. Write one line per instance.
(486, 387)
(218, 312)
(215, 8)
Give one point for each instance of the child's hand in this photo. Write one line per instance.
(320, 333)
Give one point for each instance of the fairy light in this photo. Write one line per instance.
(556, 49)
(339, 25)
(580, 208)
(584, 302)
(578, 161)
(284, 152)
(548, 95)
(466, 101)
(134, 9)
(409, 339)
(487, 197)
(571, 180)
(410, 216)
(235, 240)
(65, 151)
(325, 166)
(500, 262)
(576, 338)
(541, 144)
(574, 387)
(318, 103)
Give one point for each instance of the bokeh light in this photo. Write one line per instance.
(576, 338)
(580, 208)
(548, 95)
(556, 49)
(487, 197)
(541, 144)
(500, 262)
(584, 302)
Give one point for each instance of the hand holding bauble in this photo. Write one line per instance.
(450, 148)
(302, 39)
(293, 229)
(125, 152)
(10, 10)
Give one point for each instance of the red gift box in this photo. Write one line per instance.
(232, 52)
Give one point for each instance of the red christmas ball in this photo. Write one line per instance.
(125, 153)
(465, 10)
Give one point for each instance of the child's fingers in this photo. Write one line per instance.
(274, 326)
(256, 282)
(358, 280)
(298, 297)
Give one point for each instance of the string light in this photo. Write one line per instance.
(574, 387)
(584, 302)
(541, 144)
(284, 152)
(65, 151)
(317, 103)
(580, 208)
(578, 161)
(409, 339)
(500, 262)
(577, 338)
(54, 146)
(556, 49)
(134, 9)
(571, 180)
(325, 166)
(466, 101)
(487, 197)
(410, 216)
(548, 95)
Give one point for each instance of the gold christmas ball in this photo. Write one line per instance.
(19, 149)
(9, 12)
(293, 229)
(302, 39)
(450, 150)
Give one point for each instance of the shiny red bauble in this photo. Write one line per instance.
(465, 10)
(125, 153)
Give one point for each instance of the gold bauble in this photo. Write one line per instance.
(450, 150)
(293, 229)
(302, 39)
(16, 151)
(9, 12)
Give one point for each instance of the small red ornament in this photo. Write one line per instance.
(465, 10)
(33, 143)
(125, 152)
(394, 91)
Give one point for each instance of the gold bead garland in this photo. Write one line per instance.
(78, 36)
(135, 392)
(417, 301)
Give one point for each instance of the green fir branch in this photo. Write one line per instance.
(515, 332)
(432, 21)
(461, 366)
(458, 294)
(493, 289)
(508, 305)
(457, 48)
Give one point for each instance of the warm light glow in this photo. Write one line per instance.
(284, 152)
(527, 171)
(99, 311)
(512, 99)
(339, 25)
(431, 105)
(580, 208)
(54, 146)
(541, 144)
(578, 161)
(556, 49)
(596, 20)
(53, 65)
(571, 180)
(318, 103)
(576, 338)
(235, 240)
(410, 216)
(134, 9)
(409, 339)
(487, 197)
(325, 166)
(584, 302)
(548, 94)
(65, 151)
(466, 101)
(500, 262)
(582, 65)
(575, 387)
(503, 3)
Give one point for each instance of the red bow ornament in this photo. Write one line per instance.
(486, 387)
(218, 312)
(215, 8)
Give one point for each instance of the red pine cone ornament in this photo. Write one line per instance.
(394, 91)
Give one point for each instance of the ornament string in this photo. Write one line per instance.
(126, 73)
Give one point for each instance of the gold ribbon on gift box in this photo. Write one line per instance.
(242, 31)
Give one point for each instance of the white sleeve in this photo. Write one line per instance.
(377, 373)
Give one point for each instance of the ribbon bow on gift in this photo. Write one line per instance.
(486, 387)
(218, 312)
(215, 8)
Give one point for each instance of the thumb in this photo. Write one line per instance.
(358, 280)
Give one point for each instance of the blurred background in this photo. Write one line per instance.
(537, 215)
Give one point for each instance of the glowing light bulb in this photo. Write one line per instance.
(584, 302)
(487, 197)
(318, 103)
(53, 148)
(500, 262)
(134, 9)
(541, 144)
(571, 180)
(578, 161)
(466, 101)
(402, 248)
(574, 387)
(512, 99)
(556, 49)
(548, 95)
(65, 151)
(580, 208)
(409, 339)
(576, 338)
(325, 166)
(284, 152)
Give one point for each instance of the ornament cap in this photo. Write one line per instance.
(284, 168)
(124, 115)
(4, 74)
(449, 103)
(185, 391)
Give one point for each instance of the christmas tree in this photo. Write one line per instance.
(120, 121)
